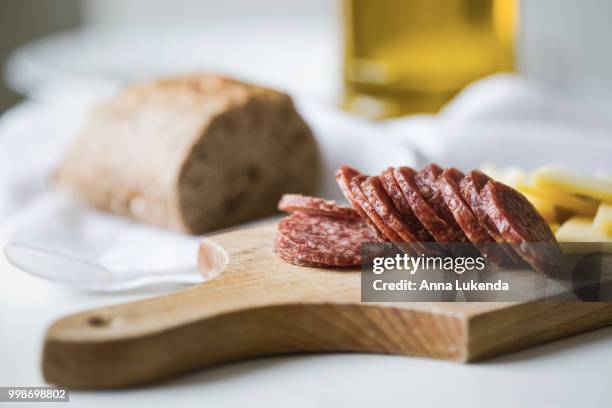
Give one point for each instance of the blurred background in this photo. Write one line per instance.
(68, 43)
(377, 58)
(22, 21)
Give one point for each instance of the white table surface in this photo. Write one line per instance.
(567, 373)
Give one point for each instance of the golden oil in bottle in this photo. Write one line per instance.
(412, 56)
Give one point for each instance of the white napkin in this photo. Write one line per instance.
(95, 250)
(49, 234)
(508, 120)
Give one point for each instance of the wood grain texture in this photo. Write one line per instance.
(262, 306)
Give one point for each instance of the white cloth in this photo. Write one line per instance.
(507, 120)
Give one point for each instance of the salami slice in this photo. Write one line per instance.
(290, 254)
(471, 185)
(449, 184)
(294, 253)
(520, 223)
(370, 211)
(426, 181)
(316, 206)
(382, 204)
(402, 206)
(320, 240)
(380, 201)
(344, 177)
(436, 226)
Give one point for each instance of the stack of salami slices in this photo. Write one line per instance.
(412, 209)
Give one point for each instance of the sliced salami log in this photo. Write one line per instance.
(315, 206)
(315, 240)
(426, 181)
(520, 223)
(437, 227)
(471, 185)
(344, 177)
(402, 206)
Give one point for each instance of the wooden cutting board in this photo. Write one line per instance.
(262, 306)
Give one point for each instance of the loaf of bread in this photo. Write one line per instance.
(194, 154)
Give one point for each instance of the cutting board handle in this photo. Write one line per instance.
(158, 338)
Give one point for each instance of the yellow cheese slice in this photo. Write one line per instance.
(558, 179)
(574, 204)
(544, 207)
(580, 229)
(554, 226)
(602, 223)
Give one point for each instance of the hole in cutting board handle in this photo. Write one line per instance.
(98, 321)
